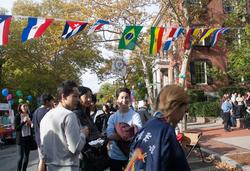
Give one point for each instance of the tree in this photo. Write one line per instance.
(188, 13)
(238, 44)
(238, 61)
(126, 12)
(239, 58)
(106, 93)
(39, 65)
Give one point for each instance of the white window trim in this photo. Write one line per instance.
(205, 73)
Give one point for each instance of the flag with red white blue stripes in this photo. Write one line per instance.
(217, 34)
(35, 28)
(173, 35)
(97, 26)
(4, 28)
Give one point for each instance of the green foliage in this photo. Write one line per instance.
(231, 90)
(239, 57)
(39, 65)
(106, 93)
(203, 109)
(239, 42)
(196, 95)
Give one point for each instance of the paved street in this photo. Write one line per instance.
(8, 161)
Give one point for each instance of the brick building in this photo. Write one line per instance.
(167, 66)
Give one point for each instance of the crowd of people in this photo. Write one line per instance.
(74, 134)
(234, 106)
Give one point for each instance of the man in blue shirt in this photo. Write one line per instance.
(227, 109)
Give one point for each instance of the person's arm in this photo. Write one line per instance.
(111, 134)
(18, 124)
(74, 137)
(137, 120)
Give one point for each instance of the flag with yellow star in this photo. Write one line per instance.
(129, 37)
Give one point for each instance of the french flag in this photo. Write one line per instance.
(72, 27)
(35, 28)
(217, 34)
(4, 28)
(173, 35)
(97, 26)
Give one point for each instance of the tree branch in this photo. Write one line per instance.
(102, 41)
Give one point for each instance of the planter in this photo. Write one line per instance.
(206, 119)
(191, 119)
(200, 119)
(240, 123)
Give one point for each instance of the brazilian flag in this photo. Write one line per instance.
(129, 37)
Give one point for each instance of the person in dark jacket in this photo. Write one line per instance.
(142, 110)
(47, 101)
(155, 147)
(89, 161)
(23, 136)
(102, 120)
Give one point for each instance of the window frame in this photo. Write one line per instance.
(205, 76)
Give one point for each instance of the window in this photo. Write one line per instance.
(199, 72)
(227, 6)
(228, 9)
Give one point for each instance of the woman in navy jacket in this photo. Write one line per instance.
(155, 147)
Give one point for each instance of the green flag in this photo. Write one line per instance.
(129, 37)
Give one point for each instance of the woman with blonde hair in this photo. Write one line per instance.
(155, 147)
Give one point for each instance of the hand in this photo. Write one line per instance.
(85, 131)
(28, 122)
(26, 119)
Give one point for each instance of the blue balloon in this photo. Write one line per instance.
(29, 97)
(5, 92)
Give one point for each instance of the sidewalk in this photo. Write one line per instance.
(232, 147)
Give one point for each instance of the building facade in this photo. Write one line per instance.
(167, 66)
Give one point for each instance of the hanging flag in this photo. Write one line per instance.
(4, 28)
(195, 35)
(192, 37)
(129, 37)
(173, 35)
(217, 34)
(187, 42)
(35, 28)
(97, 26)
(206, 33)
(72, 27)
(156, 40)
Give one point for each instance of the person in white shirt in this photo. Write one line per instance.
(126, 115)
(61, 137)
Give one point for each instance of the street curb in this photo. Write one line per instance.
(224, 158)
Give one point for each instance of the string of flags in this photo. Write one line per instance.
(37, 26)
